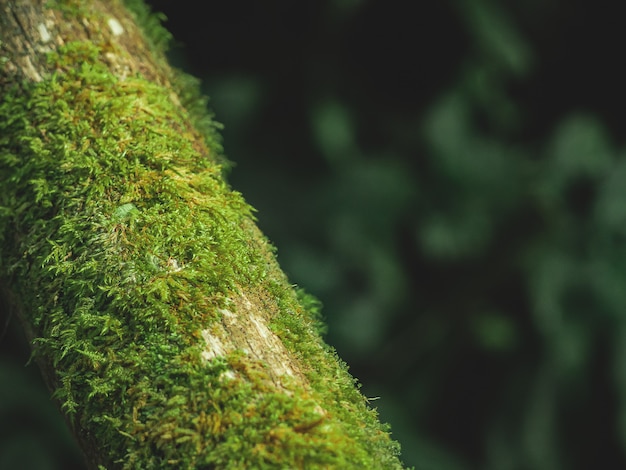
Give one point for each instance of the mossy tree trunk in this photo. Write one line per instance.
(155, 308)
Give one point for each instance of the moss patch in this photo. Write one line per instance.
(123, 242)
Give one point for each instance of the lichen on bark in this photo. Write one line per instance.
(162, 323)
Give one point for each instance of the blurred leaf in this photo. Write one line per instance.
(495, 331)
(237, 97)
(334, 132)
(579, 148)
(610, 207)
(471, 161)
(496, 36)
(550, 273)
(455, 236)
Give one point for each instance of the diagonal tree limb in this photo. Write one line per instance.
(160, 320)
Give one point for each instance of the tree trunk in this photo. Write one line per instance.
(155, 308)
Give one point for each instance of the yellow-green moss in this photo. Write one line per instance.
(122, 241)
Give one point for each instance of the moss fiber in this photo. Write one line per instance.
(122, 242)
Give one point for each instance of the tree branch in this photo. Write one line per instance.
(161, 322)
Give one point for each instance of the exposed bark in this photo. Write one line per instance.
(179, 347)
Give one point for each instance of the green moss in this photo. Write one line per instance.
(186, 86)
(123, 242)
(69, 8)
(151, 24)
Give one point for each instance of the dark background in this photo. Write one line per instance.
(449, 179)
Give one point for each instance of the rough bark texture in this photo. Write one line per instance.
(159, 317)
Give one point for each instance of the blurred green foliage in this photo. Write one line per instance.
(452, 186)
